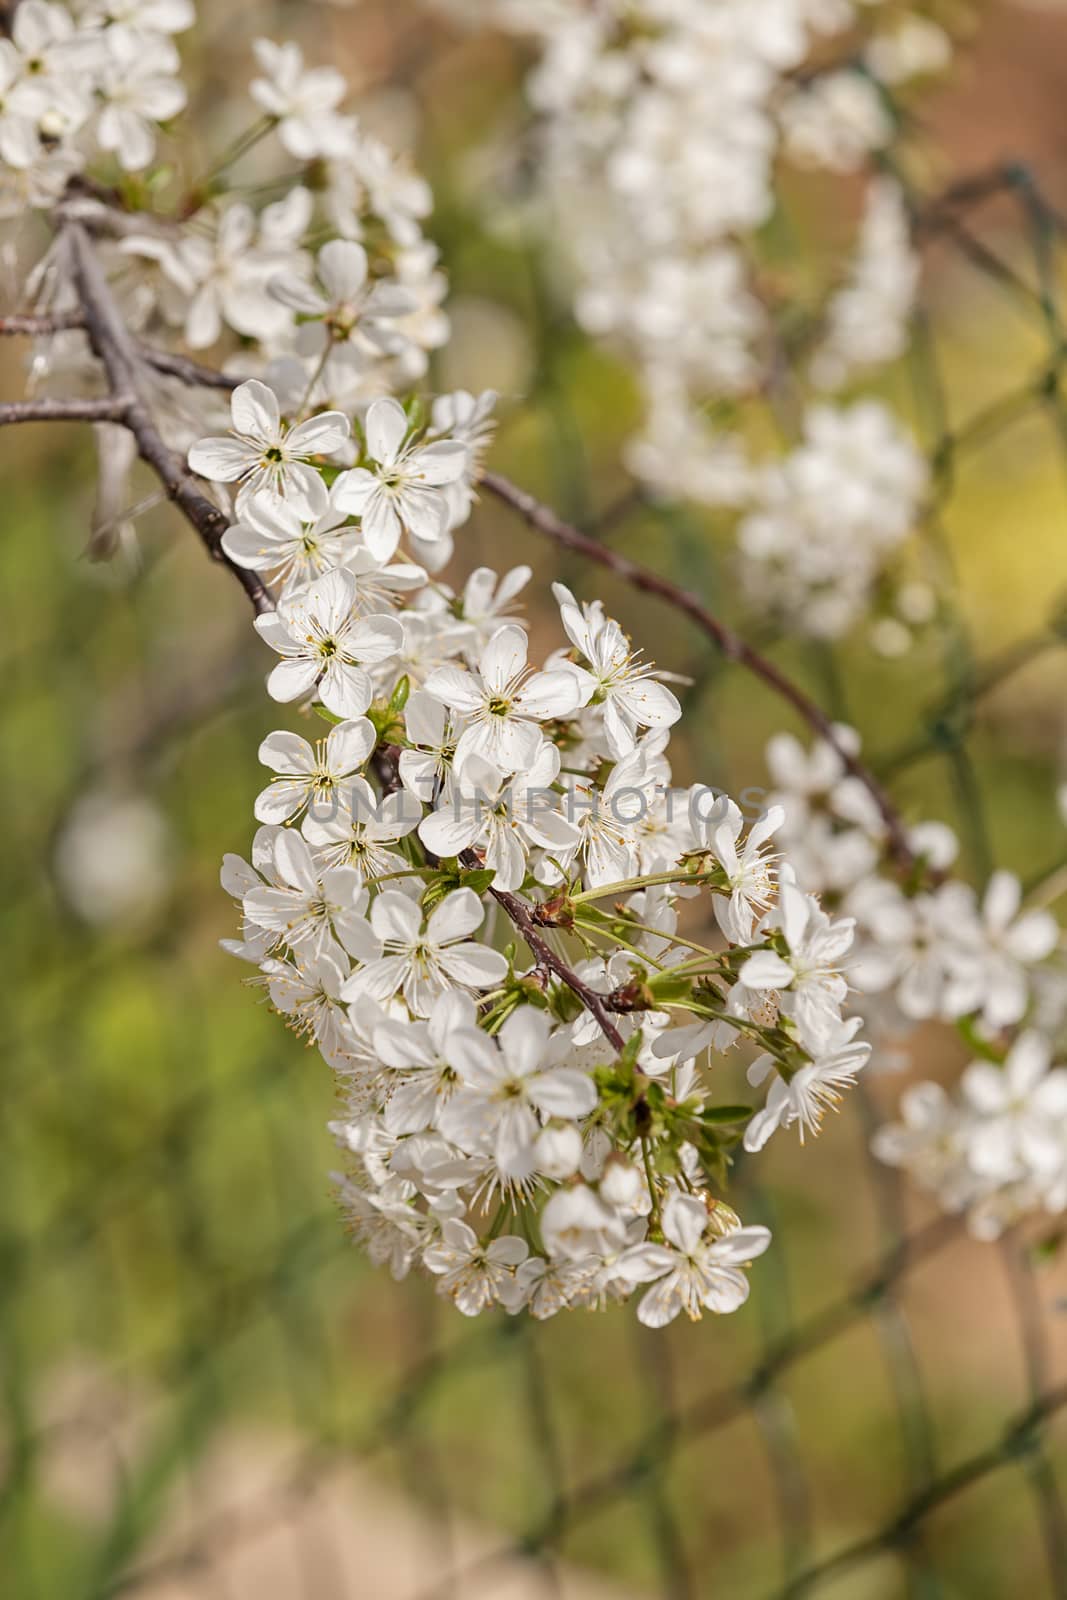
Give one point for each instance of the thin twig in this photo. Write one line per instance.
(113, 408)
(190, 372)
(734, 648)
(39, 326)
(386, 765)
(115, 346)
(594, 1003)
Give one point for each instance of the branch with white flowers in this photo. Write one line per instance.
(530, 1111)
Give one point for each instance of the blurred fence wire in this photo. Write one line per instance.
(176, 1282)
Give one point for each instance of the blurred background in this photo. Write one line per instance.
(205, 1391)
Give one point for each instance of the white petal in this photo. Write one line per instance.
(442, 462)
(459, 914)
(290, 679)
(293, 860)
(221, 460)
(564, 1093)
(395, 917)
(504, 657)
(344, 690)
(446, 834)
(351, 490)
(255, 413)
(342, 267)
(287, 753)
(455, 688)
(476, 965)
(319, 436)
(385, 429)
(349, 744)
(550, 694)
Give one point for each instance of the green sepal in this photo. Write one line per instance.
(327, 716)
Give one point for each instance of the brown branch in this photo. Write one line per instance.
(114, 408)
(594, 1003)
(117, 349)
(734, 648)
(166, 361)
(386, 763)
(37, 327)
(190, 372)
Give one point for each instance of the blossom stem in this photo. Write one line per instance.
(650, 1177)
(631, 885)
(240, 146)
(320, 368)
(670, 938)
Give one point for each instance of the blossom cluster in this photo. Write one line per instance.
(226, 261)
(930, 951)
(535, 1129)
(664, 128)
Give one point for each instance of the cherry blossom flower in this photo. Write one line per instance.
(404, 487)
(309, 775)
(810, 1090)
(433, 732)
(271, 537)
(750, 875)
(303, 100)
(504, 703)
(989, 969)
(264, 454)
(809, 971)
(358, 833)
(313, 907)
(307, 990)
(351, 307)
(503, 817)
(1022, 1113)
(422, 1056)
(615, 678)
(506, 1087)
(138, 91)
(697, 1270)
(473, 1274)
(327, 646)
(422, 962)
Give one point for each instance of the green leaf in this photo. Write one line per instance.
(668, 988)
(718, 1116)
(477, 878)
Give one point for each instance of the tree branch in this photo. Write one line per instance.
(594, 1003)
(38, 327)
(385, 761)
(734, 648)
(114, 408)
(190, 372)
(117, 349)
